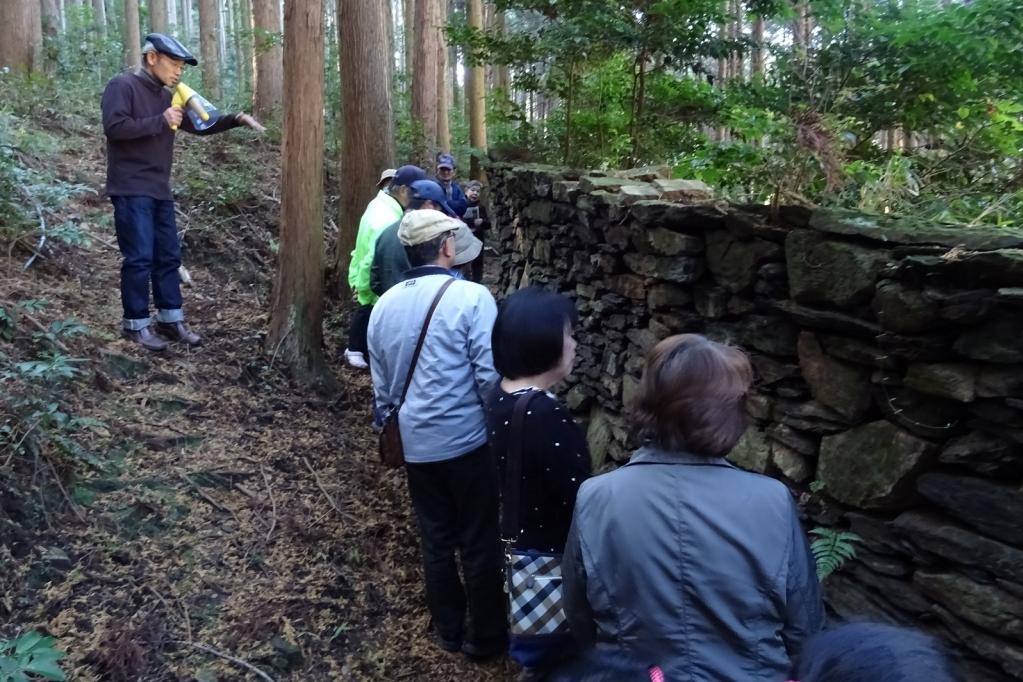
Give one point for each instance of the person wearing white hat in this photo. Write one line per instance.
(452, 475)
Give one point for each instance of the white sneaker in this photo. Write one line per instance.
(356, 359)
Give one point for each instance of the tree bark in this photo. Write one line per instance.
(443, 124)
(209, 49)
(367, 143)
(475, 92)
(222, 37)
(503, 80)
(158, 16)
(21, 35)
(428, 48)
(186, 21)
(99, 12)
(242, 31)
(50, 20)
(739, 30)
(172, 16)
(409, 17)
(269, 73)
(132, 37)
(757, 63)
(296, 318)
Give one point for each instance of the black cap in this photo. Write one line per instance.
(423, 190)
(171, 47)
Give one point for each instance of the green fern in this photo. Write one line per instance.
(832, 549)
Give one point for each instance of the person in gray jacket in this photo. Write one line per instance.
(679, 559)
(452, 474)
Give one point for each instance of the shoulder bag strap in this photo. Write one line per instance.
(422, 337)
(511, 518)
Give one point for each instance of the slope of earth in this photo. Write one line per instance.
(162, 514)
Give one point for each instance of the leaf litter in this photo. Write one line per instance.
(236, 524)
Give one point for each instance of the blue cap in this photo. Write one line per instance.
(445, 161)
(170, 47)
(407, 175)
(428, 190)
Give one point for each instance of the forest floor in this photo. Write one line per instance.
(213, 506)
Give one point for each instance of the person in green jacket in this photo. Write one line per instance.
(386, 208)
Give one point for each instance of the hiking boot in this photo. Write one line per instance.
(484, 650)
(450, 644)
(356, 359)
(145, 337)
(178, 332)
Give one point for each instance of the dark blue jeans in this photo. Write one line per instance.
(148, 237)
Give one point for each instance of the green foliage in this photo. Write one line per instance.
(31, 656)
(832, 549)
(633, 83)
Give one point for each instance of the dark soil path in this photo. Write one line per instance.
(225, 509)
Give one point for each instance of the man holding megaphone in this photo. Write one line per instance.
(140, 118)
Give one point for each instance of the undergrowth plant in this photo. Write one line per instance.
(30, 656)
(832, 549)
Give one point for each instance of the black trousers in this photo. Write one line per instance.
(456, 504)
(358, 328)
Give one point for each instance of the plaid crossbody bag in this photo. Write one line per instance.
(533, 579)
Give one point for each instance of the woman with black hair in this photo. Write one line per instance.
(533, 350)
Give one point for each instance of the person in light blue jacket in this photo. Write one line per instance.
(679, 559)
(452, 476)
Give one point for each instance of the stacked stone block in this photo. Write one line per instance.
(889, 363)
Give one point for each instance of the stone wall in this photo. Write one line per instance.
(889, 362)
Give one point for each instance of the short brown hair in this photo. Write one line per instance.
(693, 396)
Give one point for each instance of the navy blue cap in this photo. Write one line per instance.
(428, 190)
(445, 161)
(407, 175)
(170, 47)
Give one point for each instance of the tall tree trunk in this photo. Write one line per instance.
(503, 81)
(475, 93)
(443, 124)
(391, 42)
(269, 74)
(186, 22)
(296, 318)
(21, 35)
(569, 105)
(722, 74)
(367, 145)
(638, 99)
(737, 35)
(50, 22)
(158, 16)
(172, 16)
(241, 32)
(801, 28)
(757, 64)
(209, 49)
(99, 11)
(409, 19)
(222, 38)
(132, 38)
(428, 49)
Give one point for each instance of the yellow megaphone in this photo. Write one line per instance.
(194, 104)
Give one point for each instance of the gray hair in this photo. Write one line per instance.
(146, 49)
